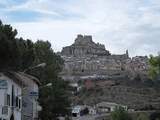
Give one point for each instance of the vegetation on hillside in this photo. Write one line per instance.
(120, 114)
(154, 71)
(142, 116)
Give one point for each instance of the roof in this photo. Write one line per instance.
(106, 104)
(14, 77)
(77, 109)
(36, 80)
(19, 77)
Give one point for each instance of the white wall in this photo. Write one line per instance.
(3, 99)
(31, 102)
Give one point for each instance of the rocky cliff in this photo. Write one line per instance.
(85, 59)
(83, 46)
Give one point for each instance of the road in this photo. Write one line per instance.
(90, 117)
(86, 117)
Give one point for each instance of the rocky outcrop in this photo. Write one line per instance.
(83, 46)
(85, 59)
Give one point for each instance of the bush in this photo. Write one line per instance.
(155, 116)
(142, 116)
(120, 114)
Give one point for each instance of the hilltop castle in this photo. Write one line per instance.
(116, 78)
(85, 59)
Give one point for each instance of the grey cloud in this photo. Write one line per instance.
(119, 24)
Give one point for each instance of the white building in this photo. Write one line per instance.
(104, 107)
(92, 110)
(30, 106)
(75, 86)
(77, 110)
(18, 96)
(10, 97)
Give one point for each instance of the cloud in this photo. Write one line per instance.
(119, 24)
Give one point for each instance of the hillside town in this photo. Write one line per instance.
(102, 80)
(99, 83)
(79, 60)
(85, 59)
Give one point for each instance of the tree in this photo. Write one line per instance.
(8, 46)
(16, 54)
(120, 114)
(154, 116)
(54, 100)
(26, 53)
(154, 70)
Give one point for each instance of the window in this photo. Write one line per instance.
(12, 103)
(8, 99)
(17, 101)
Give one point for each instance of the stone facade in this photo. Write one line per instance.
(85, 59)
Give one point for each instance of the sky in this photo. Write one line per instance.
(120, 25)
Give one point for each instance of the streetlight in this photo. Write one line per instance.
(37, 66)
(39, 108)
(42, 65)
(47, 85)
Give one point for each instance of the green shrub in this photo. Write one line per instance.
(142, 116)
(120, 114)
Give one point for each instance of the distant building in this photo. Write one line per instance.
(104, 107)
(92, 110)
(75, 86)
(89, 84)
(79, 110)
(76, 111)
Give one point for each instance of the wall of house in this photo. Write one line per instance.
(13, 106)
(30, 101)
